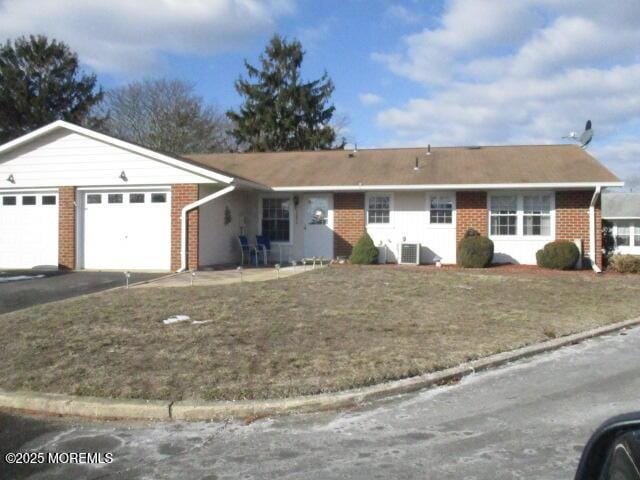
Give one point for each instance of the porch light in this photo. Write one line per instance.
(11, 179)
(123, 176)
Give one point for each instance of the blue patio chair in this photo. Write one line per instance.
(263, 244)
(248, 251)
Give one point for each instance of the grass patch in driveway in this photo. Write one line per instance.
(325, 330)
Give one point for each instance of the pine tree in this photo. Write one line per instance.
(40, 81)
(281, 111)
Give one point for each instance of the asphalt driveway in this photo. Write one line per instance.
(48, 286)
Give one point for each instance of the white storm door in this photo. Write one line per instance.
(318, 225)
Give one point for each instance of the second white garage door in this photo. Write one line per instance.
(128, 230)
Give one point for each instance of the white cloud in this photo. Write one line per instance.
(402, 13)
(524, 72)
(131, 36)
(369, 99)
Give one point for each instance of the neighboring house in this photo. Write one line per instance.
(82, 200)
(622, 211)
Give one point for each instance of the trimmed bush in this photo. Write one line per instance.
(625, 263)
(474, 250)
(364, 252)
(558, 255)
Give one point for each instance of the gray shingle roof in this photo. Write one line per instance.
(621, 205)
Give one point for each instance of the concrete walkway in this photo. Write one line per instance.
(224, 277)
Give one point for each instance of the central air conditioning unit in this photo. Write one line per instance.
(410, 253)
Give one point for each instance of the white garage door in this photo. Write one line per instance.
(28, 229)
(127, 230)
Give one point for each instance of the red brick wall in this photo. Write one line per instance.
(182, 195)
(67, 228)
(572, 219)
(348, 222)
(471, 212)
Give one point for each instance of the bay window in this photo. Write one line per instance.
(378, 209)
(276, 219)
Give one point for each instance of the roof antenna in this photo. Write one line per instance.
(584, 138)
(429, 149)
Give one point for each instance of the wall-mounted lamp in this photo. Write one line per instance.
(123, 176)
(10, 179)
(296, 201)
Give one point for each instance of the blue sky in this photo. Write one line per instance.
(407, 72)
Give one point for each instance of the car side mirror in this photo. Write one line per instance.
(613, 451)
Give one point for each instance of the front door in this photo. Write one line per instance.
(318, 226)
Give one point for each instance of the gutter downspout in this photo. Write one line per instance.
(592, 230)
(183, 221)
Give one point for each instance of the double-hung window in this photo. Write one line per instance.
(536, 211)
(504, 215)
(276, 219)
(378, 209)
(636, 236)
(441, 209)
(623, 235)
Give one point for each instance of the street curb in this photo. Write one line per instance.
(94, 407)
(104, 408)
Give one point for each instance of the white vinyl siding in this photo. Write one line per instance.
(68, 158)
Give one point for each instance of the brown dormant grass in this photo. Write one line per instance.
(325, 330)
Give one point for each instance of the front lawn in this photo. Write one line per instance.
(324, 330)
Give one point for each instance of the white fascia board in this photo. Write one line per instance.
(61, 124)
(464, 186)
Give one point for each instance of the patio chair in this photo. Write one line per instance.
(248, 251)
(263, 243)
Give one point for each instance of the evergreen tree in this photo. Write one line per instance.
(281, 111)
(40, 81)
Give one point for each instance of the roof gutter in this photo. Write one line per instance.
(446, 186)
(592, 229)
(183, 221)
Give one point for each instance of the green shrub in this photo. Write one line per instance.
(474, 250)
(364, 252)
(559, 255)
(625, 263)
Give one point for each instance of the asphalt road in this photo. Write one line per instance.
(526, 420)
(58, 286)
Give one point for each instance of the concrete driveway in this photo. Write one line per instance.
(47, 286)
(529, 419)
